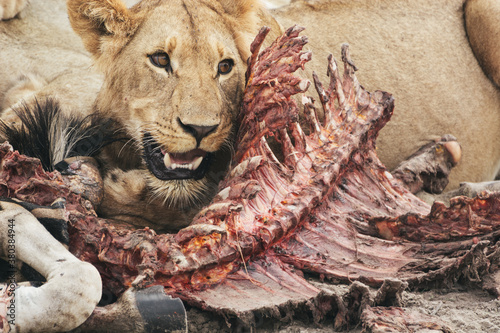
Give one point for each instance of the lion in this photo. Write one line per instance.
(170, 76)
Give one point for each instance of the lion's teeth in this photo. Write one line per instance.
(197, 163)
(189, 166)
(167, 161)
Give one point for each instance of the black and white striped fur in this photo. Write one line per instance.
(48, 134)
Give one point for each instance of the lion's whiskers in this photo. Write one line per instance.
(139, 132)
(179, 194)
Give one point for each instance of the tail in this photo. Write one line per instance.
(482, 23)
(48, 134)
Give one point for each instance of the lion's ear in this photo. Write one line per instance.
(97, 20)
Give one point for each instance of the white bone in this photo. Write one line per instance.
(73, 287)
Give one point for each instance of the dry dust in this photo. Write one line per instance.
(464, 309)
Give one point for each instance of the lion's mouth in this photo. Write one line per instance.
(192, 164)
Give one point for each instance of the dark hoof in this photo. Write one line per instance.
(161, 312)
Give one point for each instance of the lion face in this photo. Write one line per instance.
(173, 79)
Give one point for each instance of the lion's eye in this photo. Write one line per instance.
(161, 60)
(225, 66)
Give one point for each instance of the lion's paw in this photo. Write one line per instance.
(10, 8)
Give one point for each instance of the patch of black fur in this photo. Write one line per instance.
(5, 270)
(57, 228)
(107, 298)
(36, 279)
(30, 274)
(86, 135)
(62, 167)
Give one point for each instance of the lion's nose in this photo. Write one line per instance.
(197, 131)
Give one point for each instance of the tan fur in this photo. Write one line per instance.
(11, 8)
(138, 206)
(415, 49)
(483, 30)
(95, 21)
(26, 85)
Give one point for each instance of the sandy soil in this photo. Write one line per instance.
(464, 309)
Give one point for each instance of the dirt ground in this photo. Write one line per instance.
(464, 309)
